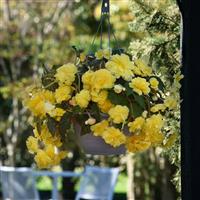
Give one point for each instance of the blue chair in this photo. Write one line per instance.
(97, 183)
(19, 183)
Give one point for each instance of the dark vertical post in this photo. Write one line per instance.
(190, 93)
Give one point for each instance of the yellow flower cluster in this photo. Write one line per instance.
(140, 85)
(146, 133)
(142, 69)
(45, 148)
(120, 66)
(66, 74)
(170, 103)
(136, 125)
(111, 135)
(57, 113)
(103, 53)
(114, 137)
(63, 93)
(137, 143)
(99, 128)
(119, 114)
(96, 82)
(100, 79)
(82, 98)
(93, 90)
(41, 102)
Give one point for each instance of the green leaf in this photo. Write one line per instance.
(117, 99)
(52, 124)
(117, 51)
(38, 123)
(65, 123)
(96, 111)
(129, 90)
(81, 120)
(49, 81)
(76, 109)
(136, 110)
(140, 100)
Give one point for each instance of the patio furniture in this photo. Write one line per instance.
(20, 184)
(97, 183)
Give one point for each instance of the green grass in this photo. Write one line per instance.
(44, 183)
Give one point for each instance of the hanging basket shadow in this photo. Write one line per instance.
(95, 145)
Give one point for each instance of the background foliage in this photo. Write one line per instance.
(34, 34)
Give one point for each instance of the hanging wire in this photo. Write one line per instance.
(92, 43)
(105, 15)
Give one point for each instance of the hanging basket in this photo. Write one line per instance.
(95, 145)
(114, 102)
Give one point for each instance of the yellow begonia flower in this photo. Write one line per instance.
(120, 66)
(40, 103)
(171, 102)
(140, 85)
(99, 128)
(63, 93)
(87, 79)
(153, 124)
(142, 69)
(152, 129)
(102, 79)
(113, 136)
(137, 143)
(42, 160)
(66, 74)
(46, 137)
(119, 114)
(32, 144)
(99, 54)
(103, 53)
(154, 83)
(158, 107)
(136, 125)
(156, 138)
(99, 97)
(49, 157)
(107, 53)
(57, 113)
(82, 98)
(105, 106)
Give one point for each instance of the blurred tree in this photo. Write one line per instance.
(34, 34)
(156, 29)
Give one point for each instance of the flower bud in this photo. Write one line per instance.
(72, 102)
(144, 114)
(155, 98)
(90, 121)
(119, 88)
